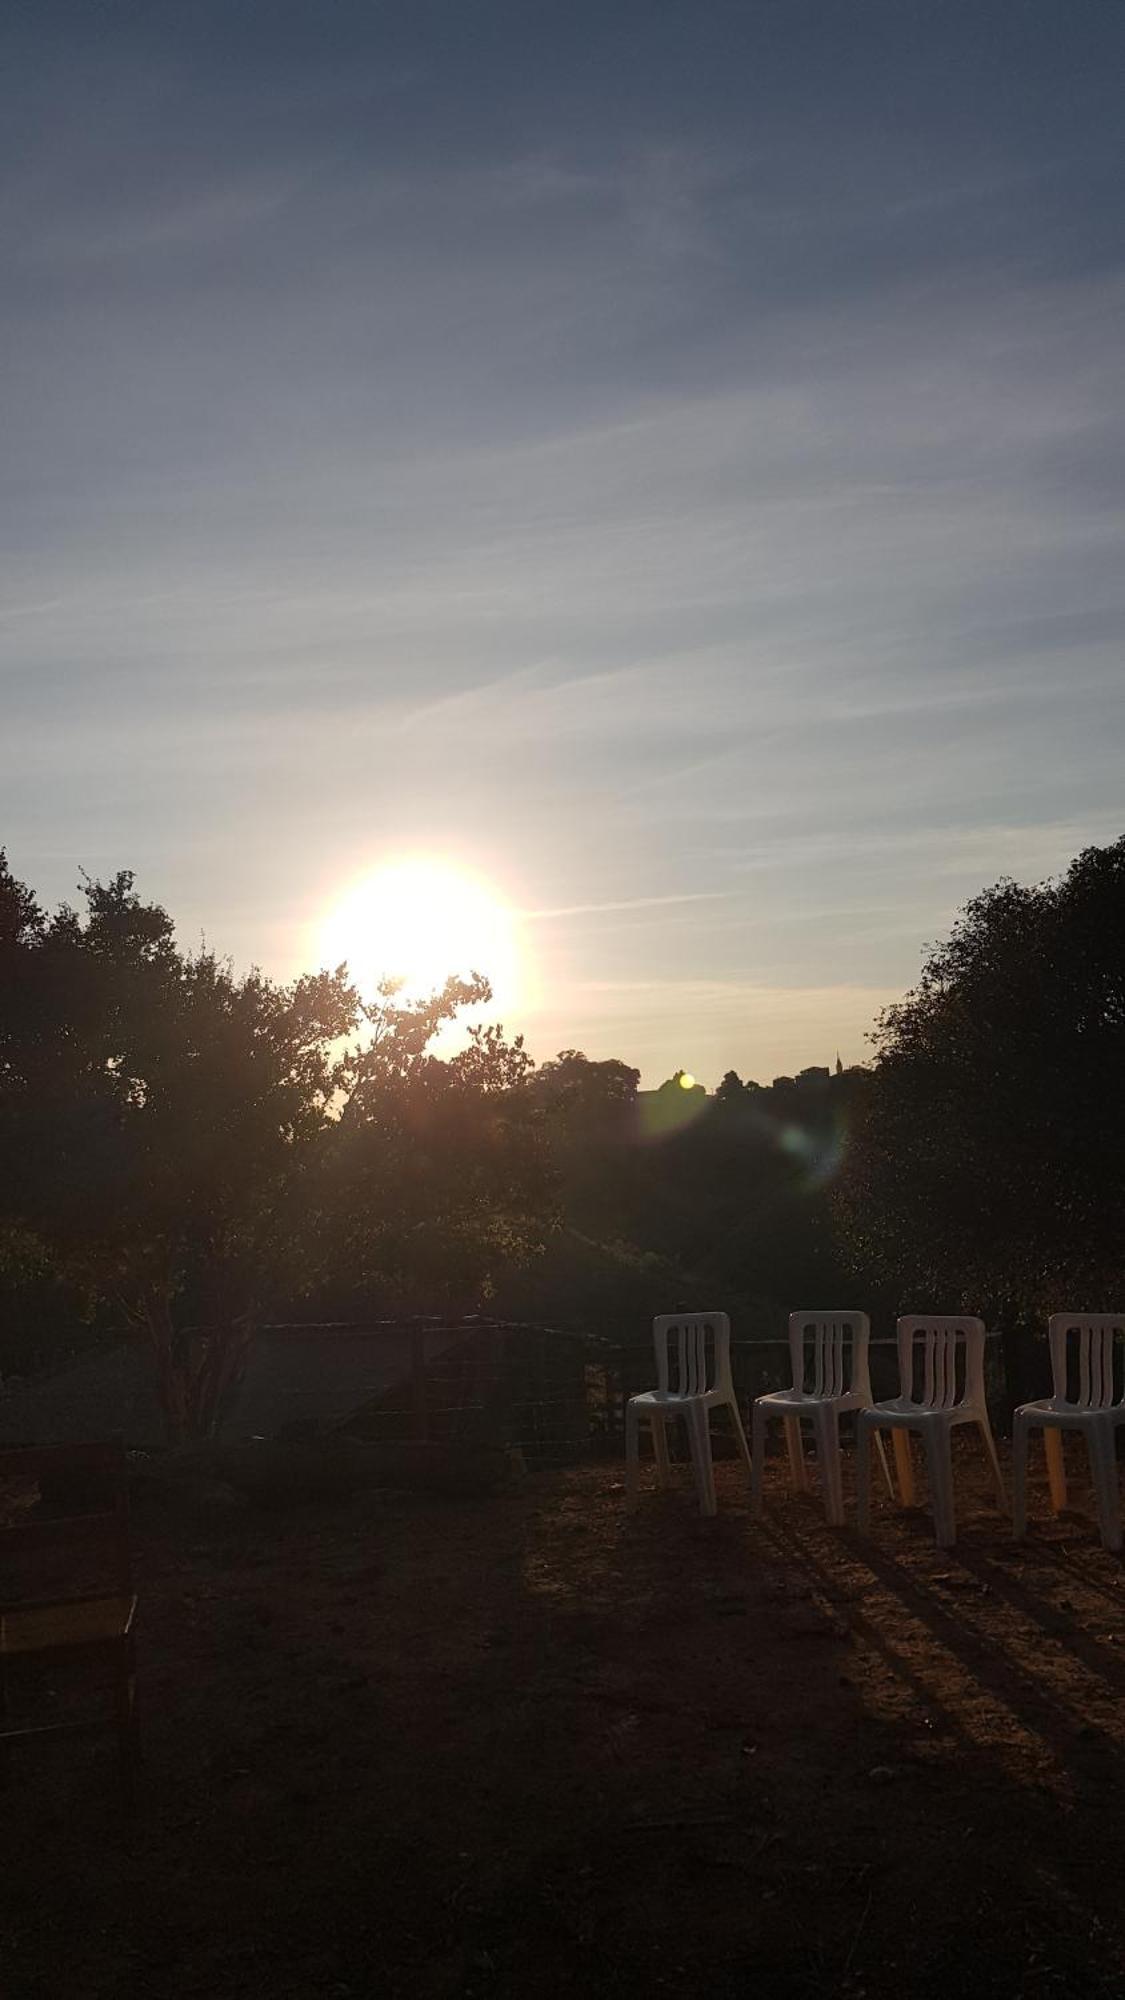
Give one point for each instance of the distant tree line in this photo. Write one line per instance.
(184, 1151)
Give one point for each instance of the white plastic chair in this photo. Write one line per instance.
(693, 1378)
(952, 1392)
(828, 1351)
(1092, 1342)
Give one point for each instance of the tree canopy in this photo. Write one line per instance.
(986, 1164)
(158, 1118)
(194, 1149)
(195, 1145)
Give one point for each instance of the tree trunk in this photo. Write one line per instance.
(221, 1361)
(197, 1369)
(156, 1316)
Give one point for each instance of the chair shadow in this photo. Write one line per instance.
(995, 1575)
(1074, 1743)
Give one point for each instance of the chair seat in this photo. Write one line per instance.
(902, 1414)
(670, 1399)
(795, 1401)
(1048, 1411)
(49, 1628)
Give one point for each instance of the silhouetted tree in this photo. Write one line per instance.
(439, 1172)
(731, 1089)
(986, 1165)
(679, 1081)
(572, 1087)
(197, 1146)
(158, 1122)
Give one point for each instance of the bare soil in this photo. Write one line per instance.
(540, 1745)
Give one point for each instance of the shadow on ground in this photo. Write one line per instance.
(538, 1744)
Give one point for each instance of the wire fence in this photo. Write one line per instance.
(549, 1392)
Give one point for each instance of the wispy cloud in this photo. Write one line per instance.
(698, 505)
(627, 903)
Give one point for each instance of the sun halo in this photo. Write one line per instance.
(418, 921)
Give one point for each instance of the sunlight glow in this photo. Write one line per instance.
(419, 921)
(687, 1081)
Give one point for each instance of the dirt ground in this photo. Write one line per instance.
(540, 1745)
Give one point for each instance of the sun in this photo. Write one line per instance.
(418, 921)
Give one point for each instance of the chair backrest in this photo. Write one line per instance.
(692, 1352)
(62, 1505)
(1088, 1359)
(829, 1353)
(950, 1351)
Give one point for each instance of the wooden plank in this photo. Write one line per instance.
(61, 1531)
(419, 1387)
(32, 1461)
(86, 1727)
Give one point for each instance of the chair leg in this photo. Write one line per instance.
(904, 1467)
(985, 1429)
(798, 1471)
(757, 1455)
(863, 1430)
(939, 1465)
(699, 1434)
(1056, 1466)
(826, 1429)
(740, 1436)
(1103, 1464)
(1020, 1432)
(660, 1451)
(632, 1452)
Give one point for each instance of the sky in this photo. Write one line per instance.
(664, 459)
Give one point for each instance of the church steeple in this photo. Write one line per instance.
(839, 1064)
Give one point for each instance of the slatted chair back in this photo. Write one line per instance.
(1088, 1359)
(941, 1360)
(81, 1517)
(829, 1353)
(692, 1354)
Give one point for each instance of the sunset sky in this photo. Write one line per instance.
(666, 460)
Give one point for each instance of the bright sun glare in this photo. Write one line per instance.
(418, 921)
